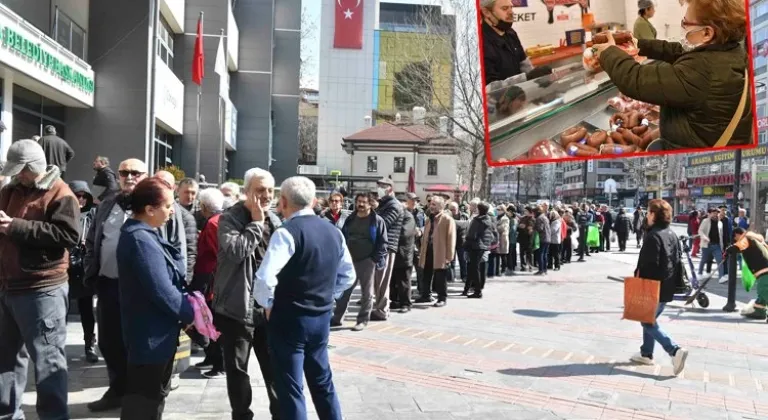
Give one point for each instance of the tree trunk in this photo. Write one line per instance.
(472, 175)
(484, 186)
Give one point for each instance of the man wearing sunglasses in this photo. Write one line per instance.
(101, 274)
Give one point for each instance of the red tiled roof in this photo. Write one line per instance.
(397, 133)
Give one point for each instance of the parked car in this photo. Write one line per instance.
(681, 218)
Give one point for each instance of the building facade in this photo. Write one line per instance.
(356, 83)
(87, 67)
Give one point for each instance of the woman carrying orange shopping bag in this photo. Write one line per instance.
(660, 261)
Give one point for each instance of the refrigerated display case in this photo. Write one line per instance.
(522, 114)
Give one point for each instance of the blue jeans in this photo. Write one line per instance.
(298, 345)
(543, 256)
(713, 250)
(33, 325)
(653, 333)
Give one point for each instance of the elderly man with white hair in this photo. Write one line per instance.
(211, 203)
(244, 234)
(307, 267)
(231, 193)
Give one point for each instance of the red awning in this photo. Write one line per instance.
(446, 188)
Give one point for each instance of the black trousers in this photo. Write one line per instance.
(237, 340)
(436, 275)
(526, 255)
(566, 250)
(476, 271)
(146, 388)
(400, 286)
(87, 318)
(583, 250)
(111, 336)
(605, 240)
(622, 238)
(512, 257)
(553, 256)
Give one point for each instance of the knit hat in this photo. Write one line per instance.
(24, 154)
(644, 4)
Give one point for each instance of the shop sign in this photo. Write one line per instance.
(711, 158)
(35, 55)
(696, 192)
(762, 123)
(524, 17)
(574, 186)
(666, 194)
(682, 192)
(718, 191)
(728, 195)
(725, 179)
(169, 99)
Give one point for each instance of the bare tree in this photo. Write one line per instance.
(306, 53)
(453, 43)
(307, 140)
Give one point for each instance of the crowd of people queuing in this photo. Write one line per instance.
(275, 271)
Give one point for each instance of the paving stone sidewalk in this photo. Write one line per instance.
(551, 347)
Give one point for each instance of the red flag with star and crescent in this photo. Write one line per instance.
(348, 31)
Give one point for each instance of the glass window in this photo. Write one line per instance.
(432, 167)
(69, 35)
(762, 137)
(399, 165)
(165, 43)
(373, 164)
(761, 111)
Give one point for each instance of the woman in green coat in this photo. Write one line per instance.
(643, 27)
(699, 83)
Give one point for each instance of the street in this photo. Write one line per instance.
(550, 347)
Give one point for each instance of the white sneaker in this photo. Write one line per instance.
(749, 308)
(640, 359)
(678, 360)
(723, 279)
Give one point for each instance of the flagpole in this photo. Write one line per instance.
(199, 112)
(222, 119)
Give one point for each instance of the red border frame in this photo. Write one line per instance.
(751, 67)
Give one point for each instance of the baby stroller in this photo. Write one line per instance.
(690, 290)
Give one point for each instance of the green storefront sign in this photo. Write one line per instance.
(35, 53)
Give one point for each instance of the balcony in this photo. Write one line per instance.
(169, 100)
(49, 69)
(233, 40)
(173, 12)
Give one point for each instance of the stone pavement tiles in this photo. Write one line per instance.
(551, 347)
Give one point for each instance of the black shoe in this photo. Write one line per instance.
(405, 309)
(465, 293)
(90, 352)
(581, 260)
(335, 323)
(394, 305)
(539, 273)
(475, 296)
(215, 374)
(106, 403)
(425, 299)
(204, 365)
(440, 303)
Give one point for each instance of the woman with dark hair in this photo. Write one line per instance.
(154, 308)
(78, 290)
(693, 230)
(524, 236)
(478, 244)
(660, 261)
(643, 28)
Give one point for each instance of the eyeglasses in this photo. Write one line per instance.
(684, 23)
(124, 173)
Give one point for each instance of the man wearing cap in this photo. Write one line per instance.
(57, 151)
(391, 211)
(39, 221)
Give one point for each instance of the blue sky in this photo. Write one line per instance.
(312, 9)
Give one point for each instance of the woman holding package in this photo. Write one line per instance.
(700, 83)
(659, 260)
(154, 308)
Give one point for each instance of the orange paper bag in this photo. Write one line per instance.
(641, 298)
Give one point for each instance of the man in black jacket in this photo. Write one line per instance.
(105, 178)
(391, 211)
(57, 151)
(462, 224)
(605, 238)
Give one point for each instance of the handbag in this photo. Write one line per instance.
(641, 299)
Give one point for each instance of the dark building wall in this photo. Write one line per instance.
(36, 12)
(285, 88)
(266, 87)
(214, 19)
(118, 46)
(251, 85)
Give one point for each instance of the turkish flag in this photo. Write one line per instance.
(198, 59)
(348, 31)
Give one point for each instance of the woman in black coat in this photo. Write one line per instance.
(622, 226)
(480, 236)
(660, 260)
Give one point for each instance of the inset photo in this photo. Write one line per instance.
(584, 79)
